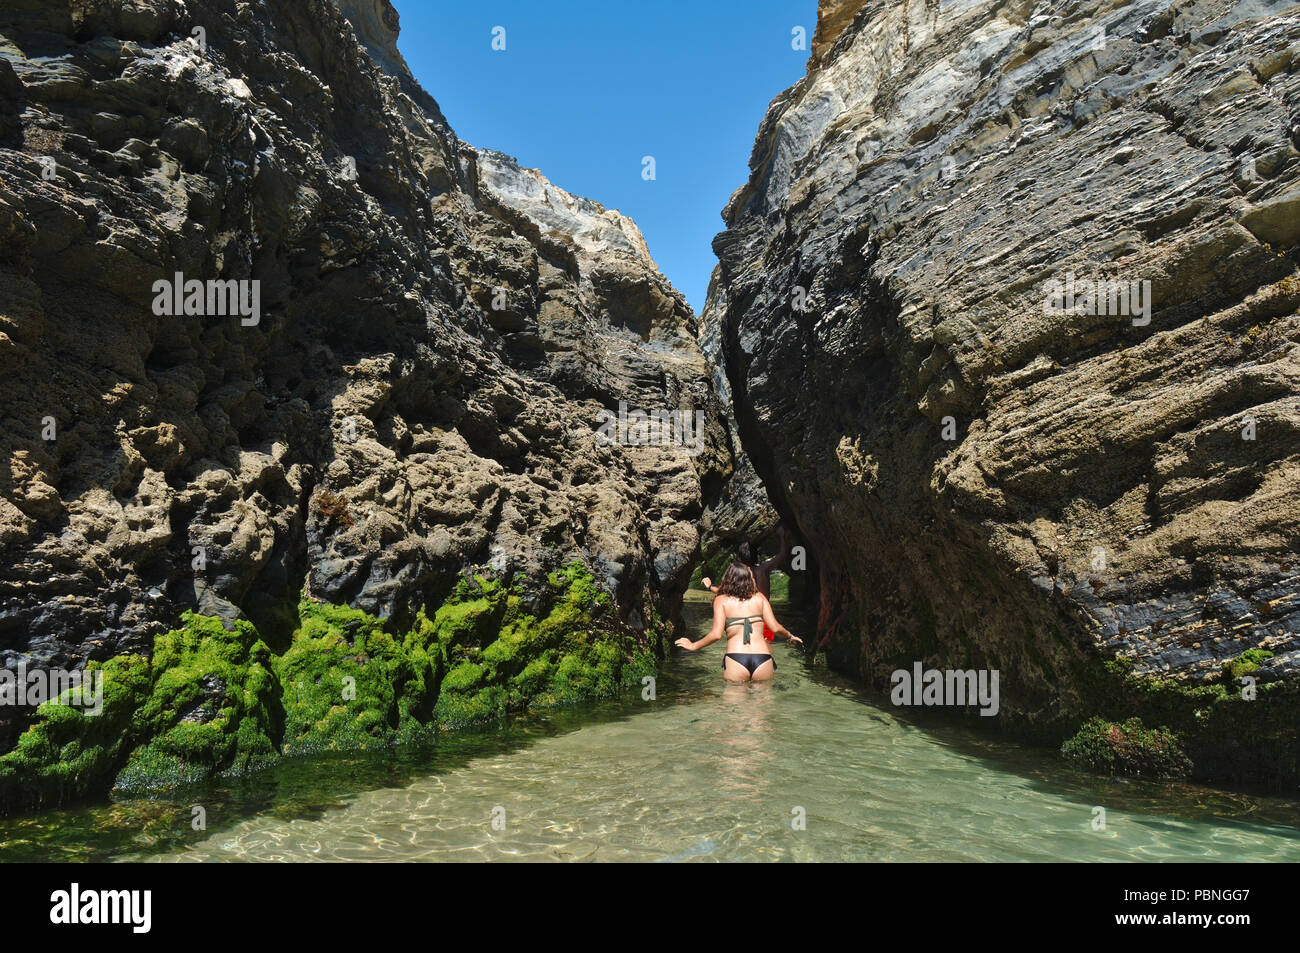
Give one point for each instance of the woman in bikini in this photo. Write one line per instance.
(748, 555)
(740, 611)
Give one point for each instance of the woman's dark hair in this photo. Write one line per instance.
(745, 553)
(738, 582)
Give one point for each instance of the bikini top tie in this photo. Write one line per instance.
(748, 620)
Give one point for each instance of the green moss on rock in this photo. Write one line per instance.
(470, 617)
(67, 753)
(1247, 662)
(213, 706)
(1228, 735)
(347, 683)
(555, 648)
(1128, 748)
(215, 700)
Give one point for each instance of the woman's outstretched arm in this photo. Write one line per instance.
(781, 631)
(719, 625)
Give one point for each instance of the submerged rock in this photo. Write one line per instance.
(988, 475)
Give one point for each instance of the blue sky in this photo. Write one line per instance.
(586, 88)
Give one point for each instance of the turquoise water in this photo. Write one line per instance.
(804, 768)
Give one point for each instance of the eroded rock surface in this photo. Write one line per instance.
(990, 483)
(418, 395)
(740, 509)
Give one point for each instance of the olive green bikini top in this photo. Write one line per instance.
(748, 620)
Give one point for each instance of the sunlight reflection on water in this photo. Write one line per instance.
(709, 771)
(717, 771)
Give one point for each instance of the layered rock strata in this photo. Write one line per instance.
(994, 469)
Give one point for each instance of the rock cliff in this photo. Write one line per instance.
(739, 509)
(280, 349)
(1098, 497)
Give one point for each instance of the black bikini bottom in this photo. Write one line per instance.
(751, 660)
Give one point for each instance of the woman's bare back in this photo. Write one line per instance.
(740, 619)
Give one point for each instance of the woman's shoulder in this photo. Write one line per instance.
(740, 607)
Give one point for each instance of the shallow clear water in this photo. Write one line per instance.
(707, 771)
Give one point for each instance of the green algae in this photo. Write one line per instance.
(213, 706)
(558, 647)
(1128, 748)
(217, 701)
(66, 752)
(1227, 733)
(1247, 662)
(349, 684)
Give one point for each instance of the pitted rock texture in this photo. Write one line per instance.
(438, 333)
(1100, 498)
(740, 510)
